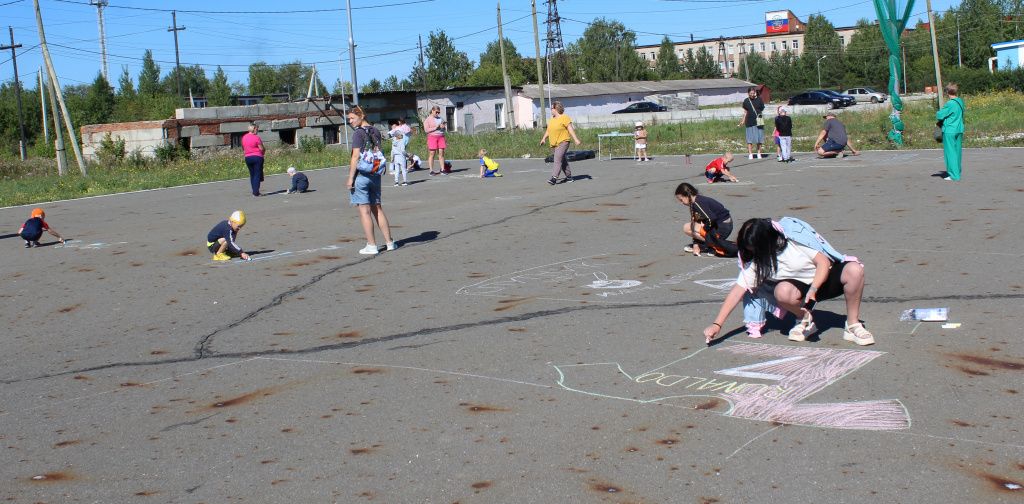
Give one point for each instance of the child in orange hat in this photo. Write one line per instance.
(32, 230)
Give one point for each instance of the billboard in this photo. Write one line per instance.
(776, 22)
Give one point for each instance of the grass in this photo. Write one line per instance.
(991, 122)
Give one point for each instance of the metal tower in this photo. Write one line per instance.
(100, 4)
(554, 38)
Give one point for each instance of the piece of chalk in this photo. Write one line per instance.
(951, 325)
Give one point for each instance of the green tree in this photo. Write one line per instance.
(125, 87)
(757, 67)
(98, 106)
(341, 87)
(149, 77)
(9, 133)
(821, 40)
(702, 65)
(263, 79)
(486, 75)
(667, 66)
(606, 53)
(193, 78)
(374, 86)
(867, 58)
(785, 73)
(447, 66)
(219, 93)
(492, 57)
(391, 84)
(980, 26)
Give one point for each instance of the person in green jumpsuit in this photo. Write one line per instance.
(951, 117)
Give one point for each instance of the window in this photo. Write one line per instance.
(728, 49)
(796, 44)
(654, 56)
(236, 139)
(842, 40)
(331, 135)
(449, 115)
(784, 45)
(499, 115)
(773, 47)
(751, 47)
(762, 47)
(643, 55)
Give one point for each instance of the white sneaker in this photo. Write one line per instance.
(841, 155)
(392, 245)
(750, 156)
(369, 249)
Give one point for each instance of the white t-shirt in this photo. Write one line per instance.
(796, 262)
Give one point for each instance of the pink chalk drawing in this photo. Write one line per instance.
(772, 389)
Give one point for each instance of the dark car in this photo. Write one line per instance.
(817, 98)
(847, 99)
(643, 106)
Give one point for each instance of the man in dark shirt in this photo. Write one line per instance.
(833, 140)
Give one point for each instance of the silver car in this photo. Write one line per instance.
(866, 94)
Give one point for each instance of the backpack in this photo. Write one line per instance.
(371, 160)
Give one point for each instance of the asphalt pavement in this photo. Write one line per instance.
(525, 343)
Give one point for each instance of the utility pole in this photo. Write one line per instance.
(746, 69)
(722, 58)
(42, 104)
(22, 148)
(352, 55)
(58, 138)
(935, 53)
(55, 89)
(509, 116)
(100, 4)
(423, 68)
(540, 73)
(904, 50)
(959, 59)
(177, 61)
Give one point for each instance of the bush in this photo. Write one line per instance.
(137, 159)
(168, 153)
(309, 144)
(42, 149)
(111, 152)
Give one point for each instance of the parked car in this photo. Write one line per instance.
(817, 98)
(847, 99)
(867, 94)
(643, 106)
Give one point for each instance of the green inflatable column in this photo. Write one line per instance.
(892, 20)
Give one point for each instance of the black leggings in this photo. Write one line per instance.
(717, 238)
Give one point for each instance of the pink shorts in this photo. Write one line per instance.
(435, 142)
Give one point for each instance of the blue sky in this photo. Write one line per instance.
(235, 33)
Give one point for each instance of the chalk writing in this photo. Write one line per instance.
(789, 375)
(80, 245)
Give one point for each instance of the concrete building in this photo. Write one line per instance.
(477, 109)
(222, 128)
(783, 32)
(593, 103)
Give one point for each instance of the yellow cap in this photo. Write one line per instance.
(237, 217)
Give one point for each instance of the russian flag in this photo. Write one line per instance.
(777, 22)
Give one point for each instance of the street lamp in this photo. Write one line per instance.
(819, 69)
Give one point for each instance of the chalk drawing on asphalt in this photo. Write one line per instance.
(772, 388)
(271, 256)
(596, 278)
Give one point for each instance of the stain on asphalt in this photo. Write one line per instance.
(367, 371)
(70, 442)
(483, 408)
(712, 404)
(69, 309)
(988, 362)
(52, 477)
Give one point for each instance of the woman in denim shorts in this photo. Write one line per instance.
(365, 189)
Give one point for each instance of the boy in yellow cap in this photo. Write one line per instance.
(221, 239)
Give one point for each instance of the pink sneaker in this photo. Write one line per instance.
(754, 330)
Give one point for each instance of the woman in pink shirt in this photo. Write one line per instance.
(253, 149)
(435, 127)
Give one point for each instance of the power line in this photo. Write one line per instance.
(306, 11)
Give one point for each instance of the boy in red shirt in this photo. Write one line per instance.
(32, 230)
(718, 169)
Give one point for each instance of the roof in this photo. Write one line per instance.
(468, 88)
(1006, 45)
(607, 88)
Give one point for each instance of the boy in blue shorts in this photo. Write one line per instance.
(221, 239)
(32, 230)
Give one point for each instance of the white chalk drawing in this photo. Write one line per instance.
(275, 255)
(594, 279)
(740, 183)
(602, 282)
(81, 245)
(773, 389)
(719, 284)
